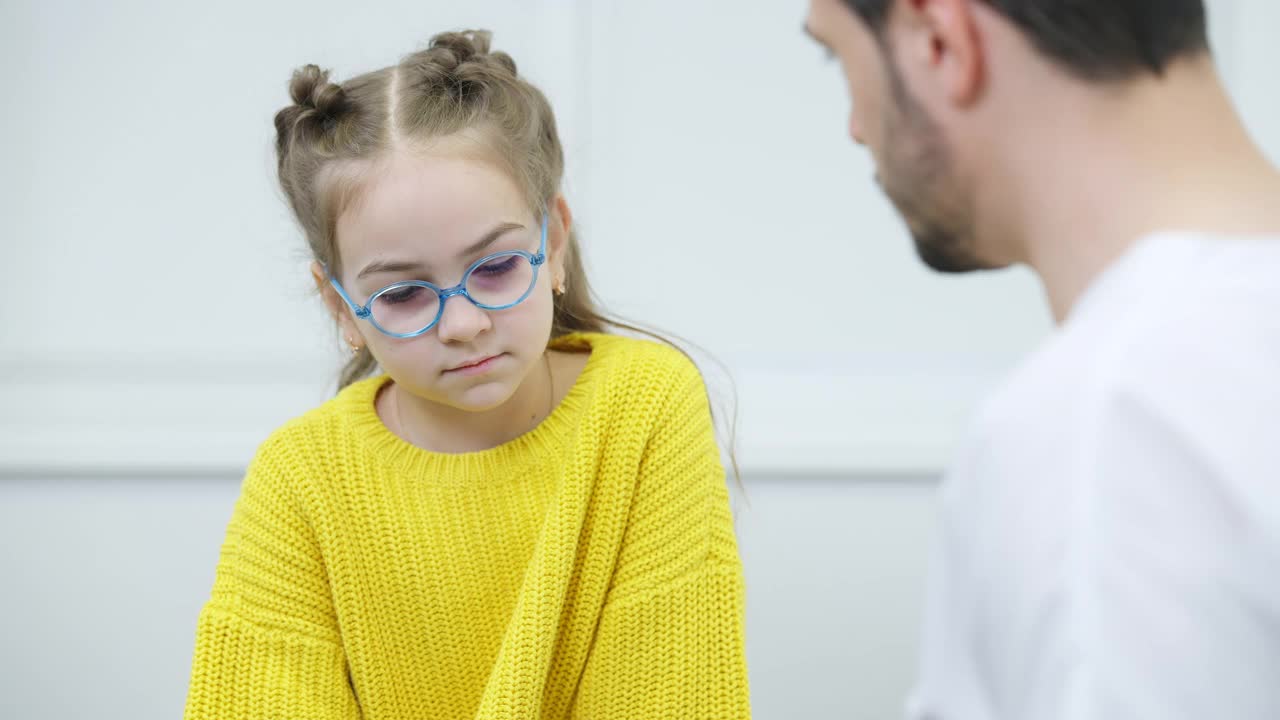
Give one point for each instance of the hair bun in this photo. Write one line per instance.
(317, 107)
(310, 89)
(451, 49)
(458, 62)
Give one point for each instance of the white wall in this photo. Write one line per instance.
(179, 329)
(155, 322)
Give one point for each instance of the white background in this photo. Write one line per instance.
(156, 320)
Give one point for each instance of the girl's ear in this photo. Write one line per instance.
(337, 307)
(559, 224)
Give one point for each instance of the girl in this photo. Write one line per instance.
(523, 517)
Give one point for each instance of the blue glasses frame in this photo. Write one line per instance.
(365, 312)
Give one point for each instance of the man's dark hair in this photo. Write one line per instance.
(1095, 39)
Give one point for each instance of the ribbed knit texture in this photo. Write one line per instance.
(587, 569)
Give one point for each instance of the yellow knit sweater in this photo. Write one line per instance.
(587, 569)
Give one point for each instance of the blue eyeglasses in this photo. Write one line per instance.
(412, 307)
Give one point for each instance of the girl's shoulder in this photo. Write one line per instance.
(626, 353)
(630, 366)
(624, 350)
(325, 431)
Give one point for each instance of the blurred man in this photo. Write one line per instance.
(1110, 540)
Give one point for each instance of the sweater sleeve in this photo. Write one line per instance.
(670, 642)
(267, 644)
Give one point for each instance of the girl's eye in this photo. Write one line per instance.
(402, 295)
(500, 266)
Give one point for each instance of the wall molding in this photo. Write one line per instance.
(114, 416)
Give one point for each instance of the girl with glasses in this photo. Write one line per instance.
(506, 512)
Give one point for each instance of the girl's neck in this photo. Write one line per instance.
(444, 429)
(440, 428)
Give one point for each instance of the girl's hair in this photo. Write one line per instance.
(333, 134)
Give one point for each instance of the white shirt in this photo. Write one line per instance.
(1110, 536)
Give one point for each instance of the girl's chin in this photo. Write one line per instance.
(482, 396)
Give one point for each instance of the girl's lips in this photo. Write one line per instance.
(477, 367)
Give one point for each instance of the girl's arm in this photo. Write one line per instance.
(267, 644)
(670, 642)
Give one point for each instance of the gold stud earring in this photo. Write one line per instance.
(354, 347)
(559, 287)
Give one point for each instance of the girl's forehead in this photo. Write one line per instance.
(444, 185)
(445, 197)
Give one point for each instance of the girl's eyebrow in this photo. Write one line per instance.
(498, 231)
(386, 266)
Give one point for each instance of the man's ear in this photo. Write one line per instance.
(942, 39)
